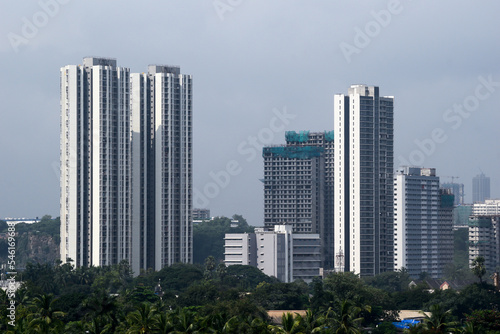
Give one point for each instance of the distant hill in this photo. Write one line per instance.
(37, 242)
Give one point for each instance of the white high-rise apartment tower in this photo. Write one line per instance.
(162, 167)
(95, 163)
(363, 190)
(126, 156)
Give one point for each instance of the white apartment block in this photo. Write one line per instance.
(126, 155)
(484, 240)
(162, 165)
(490, 207)
(423, 222)
(95, 163)
(363, 190)
(280, 253)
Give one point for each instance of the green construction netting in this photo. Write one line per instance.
(300, 137)
(328, 135)
(480, 222)
(294, 152)
(447, 200)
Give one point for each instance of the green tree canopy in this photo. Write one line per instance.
(208, 237)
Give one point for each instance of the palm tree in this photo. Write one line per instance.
(100, 304)
(85, 275)
(291, 324)
(21, 326)
(45, 319)
(163, 324)
(142, 320)
(437, 321)
(470, 328)
(310, 322)
(184, 321)
(74, 327)
(252, 325)
(345, 320)
(99, 325)
(213, 322)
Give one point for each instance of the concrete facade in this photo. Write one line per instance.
(363, 190)
(423, 223)
(298, 186)
(126, 156)
(484, 240)
(490, 207)
(280, 253)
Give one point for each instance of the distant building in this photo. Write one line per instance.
(423, 222)
(363, 190)
(280, 253)
(201, 214)
(484, 240)
(298, 186)
(490, 207)
(480, 188)
(457, 189)
(461, 215)
(14, 221)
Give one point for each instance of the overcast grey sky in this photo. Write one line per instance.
(259, 68)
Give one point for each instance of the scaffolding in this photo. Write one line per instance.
(329, 136)
(297, 137)
(294, 152)
(447, 200)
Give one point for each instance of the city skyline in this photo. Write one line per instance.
(306, 57)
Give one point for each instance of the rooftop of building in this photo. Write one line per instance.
(416, 171)
(99, 61)
(304, 136)
(153, 69)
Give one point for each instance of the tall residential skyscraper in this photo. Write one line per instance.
(95, 163)
(126, 156)
(363, 190)
(162, 166)
(298, 186)
(480, 188)
(423, 222)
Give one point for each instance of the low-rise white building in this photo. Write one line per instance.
(15, 221)
(280, 253)
(489, 207)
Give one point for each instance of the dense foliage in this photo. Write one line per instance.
(208, 297)
(184, 298)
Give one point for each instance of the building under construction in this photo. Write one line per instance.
(298, 187)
